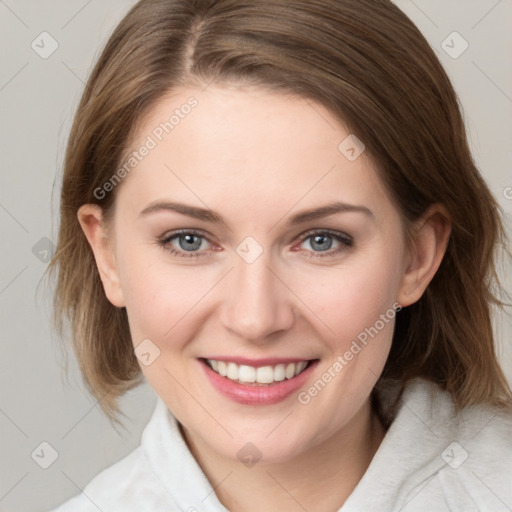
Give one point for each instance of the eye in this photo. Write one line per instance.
(189, 241)
(185, 244)
(325, 243)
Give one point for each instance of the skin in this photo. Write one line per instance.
(258, 158)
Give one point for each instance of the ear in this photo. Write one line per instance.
(430, 237)
(91, 220)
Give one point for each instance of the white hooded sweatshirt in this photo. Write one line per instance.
(430, 460)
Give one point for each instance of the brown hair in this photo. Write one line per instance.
(371, 67)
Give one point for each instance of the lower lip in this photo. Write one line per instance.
(254, 394)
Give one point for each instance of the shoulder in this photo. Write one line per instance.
(482, 430)
(471, 457)
(161, 474)
(131, 483)
(127, 484)
(463, 459)
(436, 458)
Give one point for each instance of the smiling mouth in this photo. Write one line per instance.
(257, 376)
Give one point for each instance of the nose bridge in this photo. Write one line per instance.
(256, 303)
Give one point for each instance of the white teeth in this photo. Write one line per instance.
(246, 373)
(265, 375)
(222, 368)
(232, 371)
(279, 374)
(290, 371)
(261, 375)
(300, 367)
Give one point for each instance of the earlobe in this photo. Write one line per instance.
(428, 246)
(91, 220)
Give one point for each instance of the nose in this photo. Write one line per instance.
(256, 303)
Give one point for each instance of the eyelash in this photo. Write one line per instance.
(346, 242)
(165, 243)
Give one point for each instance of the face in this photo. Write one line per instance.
(246, 241)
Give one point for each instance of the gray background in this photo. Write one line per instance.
(38, 97)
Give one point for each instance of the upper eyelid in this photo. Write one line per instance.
(173, 233)
(168, 235)
(331, 232)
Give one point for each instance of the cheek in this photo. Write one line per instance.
(350, 299)
(161, 298)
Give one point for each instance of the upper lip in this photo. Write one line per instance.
(257, 363)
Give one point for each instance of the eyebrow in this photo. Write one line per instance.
(184, 209)
(325, 211)
(214, 217)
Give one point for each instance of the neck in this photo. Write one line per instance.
(320, 479)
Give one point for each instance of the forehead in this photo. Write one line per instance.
(227, 146)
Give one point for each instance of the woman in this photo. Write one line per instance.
(270, 211)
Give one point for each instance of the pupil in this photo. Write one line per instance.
(321, 242)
